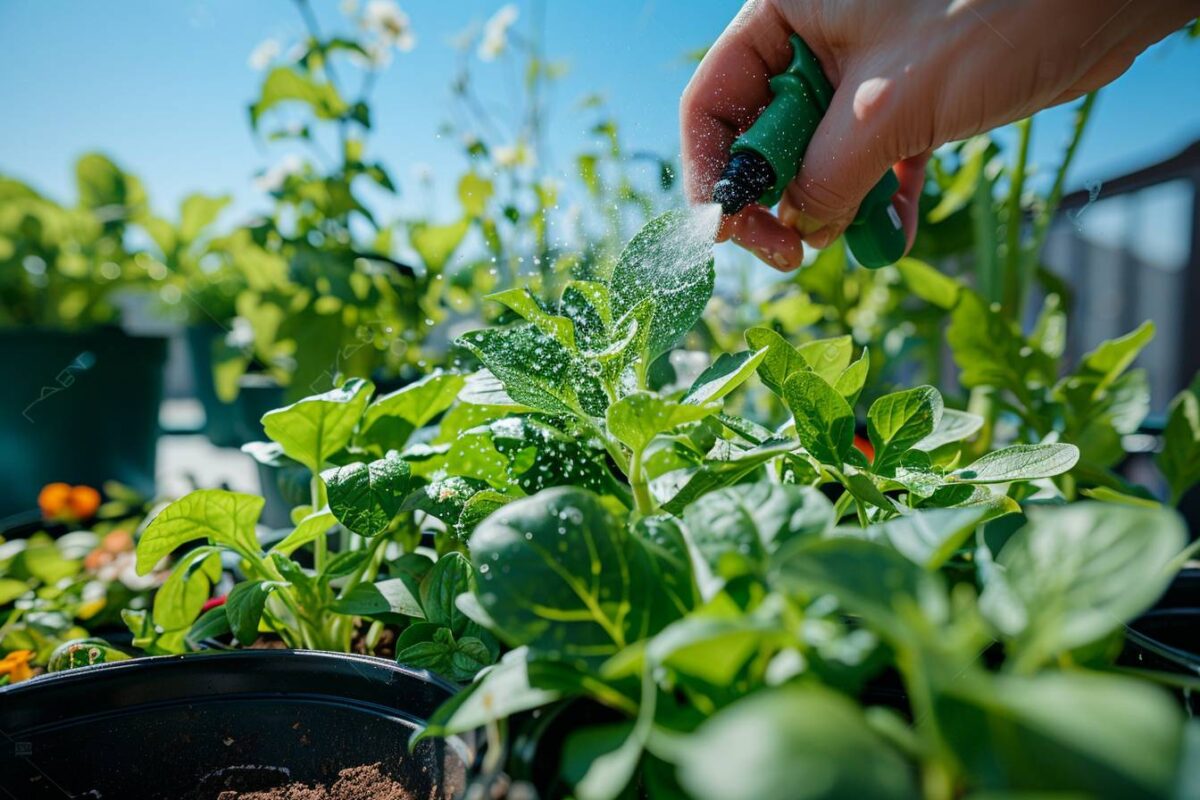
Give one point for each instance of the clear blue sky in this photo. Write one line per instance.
(162, 86)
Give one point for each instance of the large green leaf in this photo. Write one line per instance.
(554, 574)
(219, 516)
(244, 608)
(522, 302)
(1020, 462)
(736, 529)
(537, 371)
(1180, 457)
(1075, 574)
(181, 598)
(829, 358)
(670, 262)
(896, 422)
(824, 420)
(365, 497)
(313, 429)
(871, 580)
(954, 426)
(795, 743)
(391, 419)
(930, 536)
(723, 466)
(1102, 736)
(729, 371)
(781, 362)
(637, 418)
(284, 84)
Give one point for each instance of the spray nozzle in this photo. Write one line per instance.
(768, 155)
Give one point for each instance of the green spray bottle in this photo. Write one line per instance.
(766, 158)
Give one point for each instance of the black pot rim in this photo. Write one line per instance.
(90, 673)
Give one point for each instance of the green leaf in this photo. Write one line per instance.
(474, 191)
(1075, 574)
(1102, 736)
(284, 84)
(216, 515)
(11, 589)
(727, 373)
(637, 418)
(197, 212)
(499, 692)
(794, 743)
(450, 577)
(929, 537)
(537, 371)
(781, 362)
(824, 421)
(386, 600)
(392, 418)
(670, 262)
(313, 429)
(735, 530)
(984, 345)
(868, 579)
(850, 383)
(954, 426)
(435, 244)
(898, 421)
(310, 528)
(663, 581)
(365, 497)
(522, 302)
(244, 608)
(1020, 462)
(829, 358)
(724, 466)
(929, 283)
(553, 573)
(181, 597)
(1180, 456)
(1105, 364)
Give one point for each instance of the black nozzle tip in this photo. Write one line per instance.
(744, 180)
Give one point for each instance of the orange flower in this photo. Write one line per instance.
(53, 498)
(118, 541)
(63, 501)
(83, 502)
(16, 665)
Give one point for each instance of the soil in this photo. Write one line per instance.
(367, 782)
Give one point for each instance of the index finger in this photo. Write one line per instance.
(728, 92)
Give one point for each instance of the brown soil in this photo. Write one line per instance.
(354, 783)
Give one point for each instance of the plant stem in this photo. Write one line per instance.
(641, 489)
(321, 544)
(1041, 226)
(1015, 287)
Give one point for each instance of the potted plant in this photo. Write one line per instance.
(84, 406)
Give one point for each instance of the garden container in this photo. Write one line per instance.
(257, 394)
(1167, 638)
(201, 725)
(220, 418)
(80, 407)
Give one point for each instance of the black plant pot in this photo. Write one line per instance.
(1167, 638)
(220, 418)
(191, 727)
(80, 407)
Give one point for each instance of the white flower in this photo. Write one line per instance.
(262, 55)
(272, 180)
(390, 24)
(495, 32)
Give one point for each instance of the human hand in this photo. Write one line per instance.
(908, 78)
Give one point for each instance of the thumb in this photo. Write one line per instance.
(855, 143)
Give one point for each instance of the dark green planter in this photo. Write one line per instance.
(220, 418)
(80, 407)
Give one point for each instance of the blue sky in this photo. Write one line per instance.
(162, 87)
